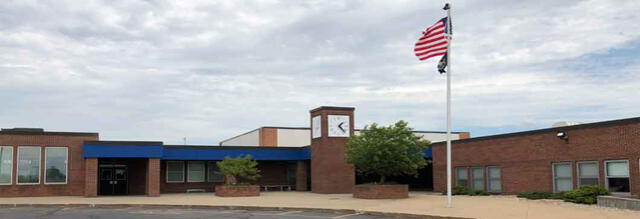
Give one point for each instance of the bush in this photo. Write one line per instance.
(585, 194)
(459, 190)
(535, 195)
(479, 193)
(240, 167)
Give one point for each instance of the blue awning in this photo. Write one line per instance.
(219, 153)
(122, 151)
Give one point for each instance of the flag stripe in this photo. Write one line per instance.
(431, 45)
(433, 42)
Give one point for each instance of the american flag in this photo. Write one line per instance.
(434, 41)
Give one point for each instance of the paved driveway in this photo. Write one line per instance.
(154, 212)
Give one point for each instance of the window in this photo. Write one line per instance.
(56, 165)
(28, 165)
(562, 177)
(212, 176)
(617, 176)
(195, 171)
(6, 165)
(495, 178)
(175, 171)
(588, 173)
(462, 176)
(477, 178)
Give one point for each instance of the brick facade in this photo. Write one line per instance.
(268, 137)
(75, 185)
(91, 177)
(302, 169)
(526, 158)
(329, 172)
(153, 177)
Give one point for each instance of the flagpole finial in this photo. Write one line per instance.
(446, 6)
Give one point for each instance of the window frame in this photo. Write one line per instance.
(204, 171)
(553, 175)
(66, 173)
(11, 165)
(167, 172)
(209, 178)
(473, 180)
(606, 175)
(457, 178)
(578, 184)
(39, 166)
(489, 179)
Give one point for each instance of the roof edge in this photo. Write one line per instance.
(539, 131)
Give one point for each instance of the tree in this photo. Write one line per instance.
(386, 151)
(240, 167)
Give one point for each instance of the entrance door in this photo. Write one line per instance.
(113, 179)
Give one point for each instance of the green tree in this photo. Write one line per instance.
(240, 167)
(386, 151)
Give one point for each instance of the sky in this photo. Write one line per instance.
(208, 70)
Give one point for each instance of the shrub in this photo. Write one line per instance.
(240, 167)
(585, 194)
(479, 193)
(535, 195)
(459, 190)
(386, 151)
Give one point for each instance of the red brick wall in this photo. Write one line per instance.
(268, 137)
(76, 165)
(526, 160)
(302, 170)
(273, 173)
(91, 177)
(329, 172)
(153, 177)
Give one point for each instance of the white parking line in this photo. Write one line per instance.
(347, 215)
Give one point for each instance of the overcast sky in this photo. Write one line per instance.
(208, 70)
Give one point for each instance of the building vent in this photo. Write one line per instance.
(562, 124)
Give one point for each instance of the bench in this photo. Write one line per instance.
(267, 188)
(195, 190)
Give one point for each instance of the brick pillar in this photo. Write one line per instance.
(301, 176)
(153, 177)
(329, 173)
(91, 177)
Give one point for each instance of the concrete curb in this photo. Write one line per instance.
(232, 207)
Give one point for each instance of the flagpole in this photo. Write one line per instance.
(447, 7)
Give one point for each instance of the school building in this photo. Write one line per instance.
(35, 162)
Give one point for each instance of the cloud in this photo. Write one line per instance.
(207, 70)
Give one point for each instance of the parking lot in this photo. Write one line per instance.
(155, 212)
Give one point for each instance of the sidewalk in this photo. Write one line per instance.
(507, 207)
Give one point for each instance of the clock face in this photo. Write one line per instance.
(338, 126)
(316, 127)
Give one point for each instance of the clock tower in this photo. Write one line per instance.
(330, 129)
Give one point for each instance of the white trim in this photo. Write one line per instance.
(578, 171)
(10, 169)
(606, 177)
(66, 162)
(204, 171)
(39, 166)
(167, 172)
(553, 174)
(489, 179)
